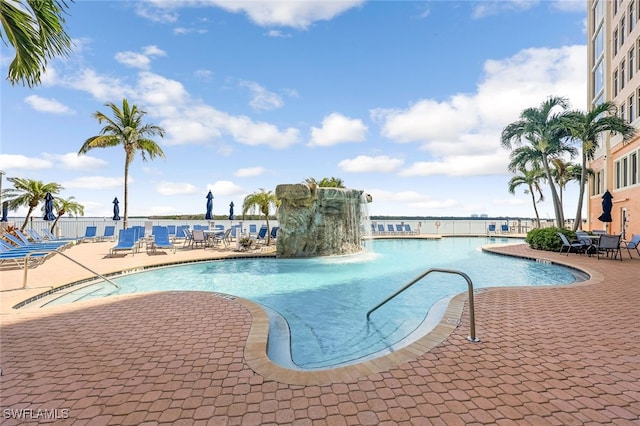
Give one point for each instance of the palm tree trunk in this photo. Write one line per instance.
(535, 207)
(126, 192)
(26, 219)
(583, 174)
(554, 193)
(268, 230)
(53, 225)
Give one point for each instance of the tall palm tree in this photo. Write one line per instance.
(35, 29)
(261, 201)
(530, 178)
(540, 129)
(29, 193)
(126, 129)
(586, 129)
(63, 206)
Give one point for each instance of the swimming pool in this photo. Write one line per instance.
(325, 300)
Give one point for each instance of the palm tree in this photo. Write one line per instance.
(63, 206)
(126, 129)
(261, 201)
(35, 29)
(541, 130)
(530, 178)
(29, 193)
(586, 129)
(331, 182)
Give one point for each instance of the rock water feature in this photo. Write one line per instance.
(317, 221)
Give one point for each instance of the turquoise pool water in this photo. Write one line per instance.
(325, 300)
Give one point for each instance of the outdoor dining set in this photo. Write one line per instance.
(600, 244)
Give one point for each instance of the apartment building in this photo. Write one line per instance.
(613, 29)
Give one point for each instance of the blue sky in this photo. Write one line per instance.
(404, 100)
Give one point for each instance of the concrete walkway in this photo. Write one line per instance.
(553, 355)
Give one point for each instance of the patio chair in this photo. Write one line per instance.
(576, 246)
(108, 234)
(126, 242)
(634, 243)
(89, 234)
(610, 244)
(197, 237)
(160, 240)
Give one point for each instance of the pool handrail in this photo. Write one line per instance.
(472, 320)
(28, 255)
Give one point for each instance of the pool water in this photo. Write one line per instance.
(325, 300)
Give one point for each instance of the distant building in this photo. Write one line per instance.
(484, 216)
(613, 54)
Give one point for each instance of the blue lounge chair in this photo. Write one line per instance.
(504, 228)
(160, 240)
(408, 230)
(399, 228)
(262, 235)
(126, 242)
(50, 237)
(491, 229)
(390, 229)
(89, 234)
(274, 232)
(109, 233)
(634, 243)
(20, 242)
(381, 229)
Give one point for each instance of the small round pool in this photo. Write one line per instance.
(318, 306)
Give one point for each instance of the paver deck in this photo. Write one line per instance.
(548, 355)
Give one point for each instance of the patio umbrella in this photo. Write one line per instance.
(231, 211)
(607, 205)
(116, 209)
(209, 215)
(48, 207)
(5, 212)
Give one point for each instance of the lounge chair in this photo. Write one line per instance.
(274, 233)
(504, 228)
(89, 234)
(491, 229)
(126, 242)
(577, 246)
(634, 243)
(381, 230)
(24, 242)
(108, 234)
(390, 229)
(50, 237)
(37, 238)
(408, 230)
(160, 240)
(262, 235)
(609, 244)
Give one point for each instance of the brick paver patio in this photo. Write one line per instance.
(558, 356)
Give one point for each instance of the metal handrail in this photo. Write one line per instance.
(28, 255)
(472, 318)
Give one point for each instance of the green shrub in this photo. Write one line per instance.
(547, 238)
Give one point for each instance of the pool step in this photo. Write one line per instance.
(75, 294)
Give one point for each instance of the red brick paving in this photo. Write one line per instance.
(547, 356)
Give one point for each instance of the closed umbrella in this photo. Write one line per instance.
(5, 212)
(116, 209)
(209, 214)
(607, 205)
(231, 211)
(48, 207)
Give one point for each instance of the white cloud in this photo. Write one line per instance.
(95, 182)
(175, 188)
(250, 171)
(47, 105)
(487, 8)
(262, 99)
(460, 136)
(73, 161)
(367, 164)
(224, 187)
(337, 129)
(22, 162)
(412, 199)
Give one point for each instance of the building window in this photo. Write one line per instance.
(618, 180)
(622, 33)
(615, 83)
(632, 15)
(598, 45)
(615, 7)
(634, 168)
(615, 42)
(622, 110)
(631, 63)
(625, 171)
(598, 79)
(631, 116)
(622, 74)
